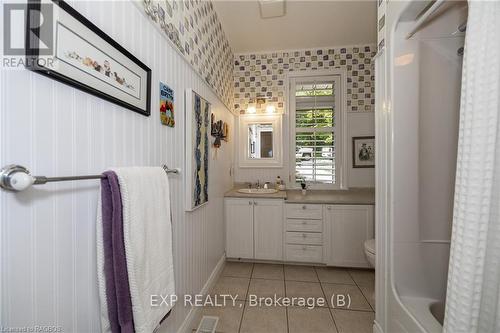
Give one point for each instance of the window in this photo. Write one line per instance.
(315, 110)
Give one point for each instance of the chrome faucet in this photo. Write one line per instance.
(257, 184)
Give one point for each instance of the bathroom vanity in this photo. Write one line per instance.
(322, 227)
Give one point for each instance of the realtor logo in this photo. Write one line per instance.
(39, 29)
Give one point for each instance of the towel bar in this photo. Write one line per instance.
(18, 178)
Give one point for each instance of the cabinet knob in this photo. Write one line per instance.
(304, 222)
(255, 203)
(304, 248)
(304, 235)
(304, 207)
(249, 202)
(329, 207)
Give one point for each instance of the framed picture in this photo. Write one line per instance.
(197, 150)
(363, 152)
(166, 105)
(84, 57)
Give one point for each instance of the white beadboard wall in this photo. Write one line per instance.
(48, 265)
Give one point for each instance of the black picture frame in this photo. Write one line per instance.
(354, 152)
(33, 55)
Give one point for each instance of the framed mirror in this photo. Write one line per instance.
(260, 141)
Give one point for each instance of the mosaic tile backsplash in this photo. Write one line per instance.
(263, 75)
(194, 28)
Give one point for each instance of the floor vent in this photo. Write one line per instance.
(207, 324)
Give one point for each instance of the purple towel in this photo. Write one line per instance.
(115, 261)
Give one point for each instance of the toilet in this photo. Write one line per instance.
(370, 251)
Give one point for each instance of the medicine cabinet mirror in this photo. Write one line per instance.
(260, 141)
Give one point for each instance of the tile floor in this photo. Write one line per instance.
(267, 280)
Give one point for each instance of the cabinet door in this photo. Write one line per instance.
(239, 228)
(268, 229)
(347, 227)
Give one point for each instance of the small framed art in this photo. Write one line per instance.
(363, 152)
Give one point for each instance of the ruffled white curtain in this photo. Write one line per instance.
(473, 295)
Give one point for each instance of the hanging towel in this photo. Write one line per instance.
(148, 242)
(116, 312)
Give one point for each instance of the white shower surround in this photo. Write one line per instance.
(416, 133)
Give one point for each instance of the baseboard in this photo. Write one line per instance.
(187, 325)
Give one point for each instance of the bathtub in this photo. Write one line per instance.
(428, 312)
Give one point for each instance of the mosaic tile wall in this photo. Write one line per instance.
(263, 75)
(381, 10)
(193, 26)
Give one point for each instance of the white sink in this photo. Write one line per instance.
(257, 190)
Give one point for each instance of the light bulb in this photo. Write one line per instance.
(270, 109)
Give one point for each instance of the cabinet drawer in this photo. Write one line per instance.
(304, 211)
(304, 253)
(311, 238)
(304, 225)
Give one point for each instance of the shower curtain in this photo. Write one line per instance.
(473, 294)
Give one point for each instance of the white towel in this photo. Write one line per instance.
(105, 325)
(148, 242)
(148, 245)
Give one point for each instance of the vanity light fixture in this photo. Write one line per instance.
(251, 109)
(270, 109)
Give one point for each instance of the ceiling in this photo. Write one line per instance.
(306, 24)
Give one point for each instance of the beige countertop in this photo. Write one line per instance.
(353, 196)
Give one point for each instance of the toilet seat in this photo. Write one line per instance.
(370, 246)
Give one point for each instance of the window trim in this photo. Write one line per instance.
(339, 75)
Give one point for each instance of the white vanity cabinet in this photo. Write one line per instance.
(346, 229)
(239, 228)
(268, 229)
(254, 228)
(304, 233)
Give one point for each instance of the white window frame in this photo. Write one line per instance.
(339, 76)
